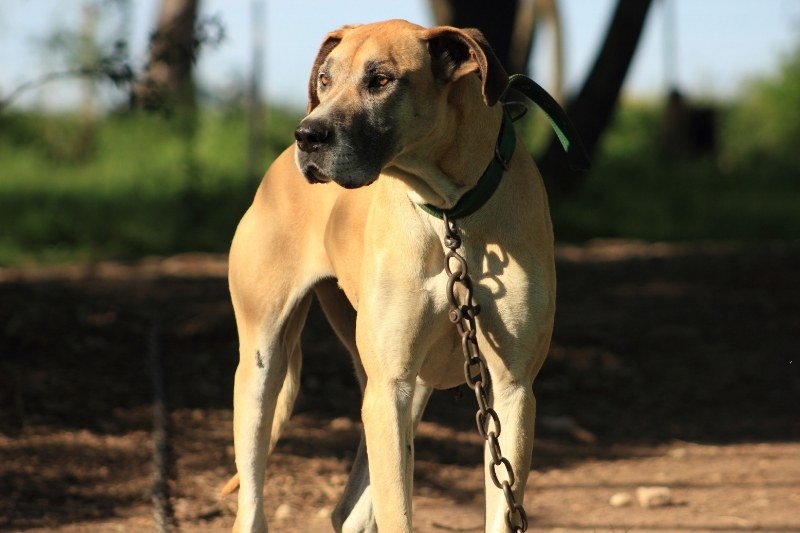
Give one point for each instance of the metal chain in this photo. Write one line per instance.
(463, 314)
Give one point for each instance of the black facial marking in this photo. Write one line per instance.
(363, 137)
(259, 360)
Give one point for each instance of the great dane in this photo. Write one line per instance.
(399, 116)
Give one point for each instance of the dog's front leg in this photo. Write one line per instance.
(516, 409)
(354, 512)
(387, 418)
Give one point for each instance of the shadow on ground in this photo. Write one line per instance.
(653, 343)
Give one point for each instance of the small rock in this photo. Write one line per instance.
(654, 496)
(341, 423)
(283, 512)
(324, 512)
(679, 453)
(182, 507)
(620, 499)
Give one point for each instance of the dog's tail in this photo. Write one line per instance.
(283, 410)
(230, 487)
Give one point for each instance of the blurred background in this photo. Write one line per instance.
(115, 113)
(133, 135)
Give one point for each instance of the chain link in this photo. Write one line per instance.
(463, 314)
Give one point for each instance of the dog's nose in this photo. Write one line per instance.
(311, 134)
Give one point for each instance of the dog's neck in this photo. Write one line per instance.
(439, 173)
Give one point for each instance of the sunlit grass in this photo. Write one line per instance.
(132, 185)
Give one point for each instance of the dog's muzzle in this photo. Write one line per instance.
(312, 136)
(347, 151)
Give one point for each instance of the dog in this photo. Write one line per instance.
(399, 117)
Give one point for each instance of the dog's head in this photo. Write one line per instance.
(376, 90)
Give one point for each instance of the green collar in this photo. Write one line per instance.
(488, 182)
(577, 157)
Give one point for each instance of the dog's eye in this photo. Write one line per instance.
(324, 79)
(378, 81)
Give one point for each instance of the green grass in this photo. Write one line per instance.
(130, 185)
(133, 185)
(634, 191)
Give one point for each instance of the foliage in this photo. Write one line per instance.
(133, 184)
(635, 191)
(769, 113)
(748, 189)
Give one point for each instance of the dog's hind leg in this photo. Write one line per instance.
(265, 389)
(353, 512)
(270, 304)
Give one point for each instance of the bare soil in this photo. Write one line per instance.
(671, 365)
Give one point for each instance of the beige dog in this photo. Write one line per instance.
(414, 113)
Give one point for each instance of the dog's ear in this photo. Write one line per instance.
(329, 43)
(457, 52)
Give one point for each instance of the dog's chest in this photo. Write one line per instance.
(443, 364)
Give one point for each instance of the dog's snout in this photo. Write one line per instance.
(311, 134)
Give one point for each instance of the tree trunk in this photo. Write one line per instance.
(173, 46)
(591, 111)
(496, 20)
(547, 12)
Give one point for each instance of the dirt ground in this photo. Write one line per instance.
(672, 365)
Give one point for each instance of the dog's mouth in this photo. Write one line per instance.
(313, 174)
(355, 184)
